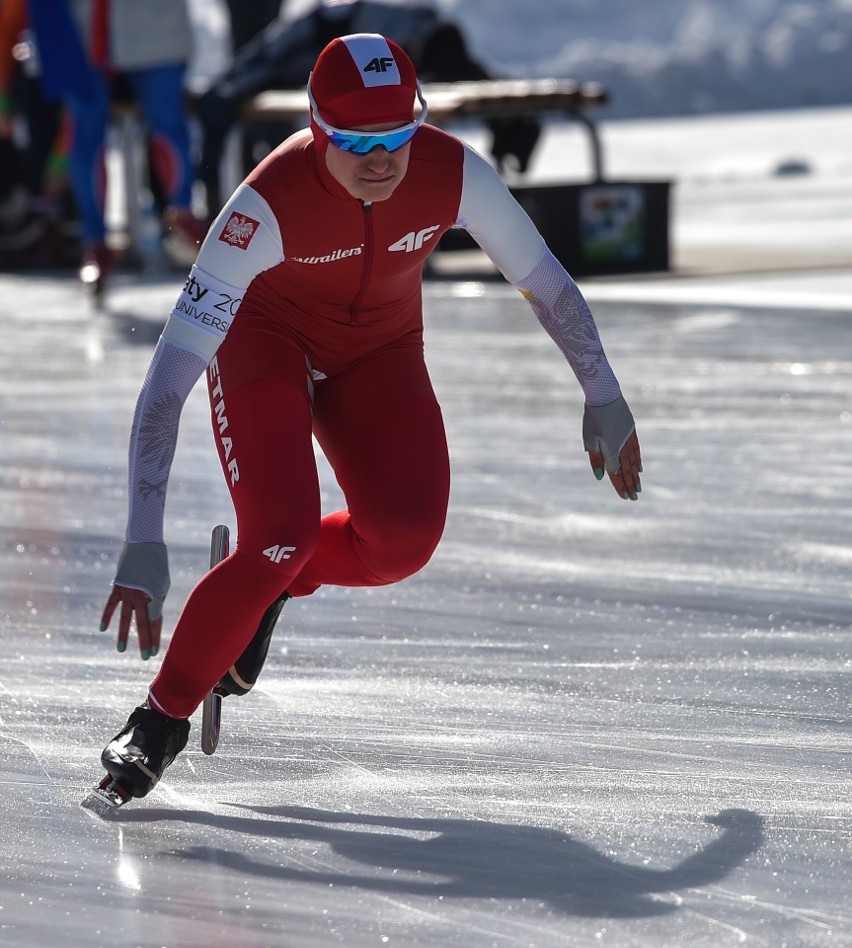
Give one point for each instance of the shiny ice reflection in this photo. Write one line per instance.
(585, 722)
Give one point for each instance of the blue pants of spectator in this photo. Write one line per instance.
(159, 92)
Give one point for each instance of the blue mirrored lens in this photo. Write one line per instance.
(364, 144)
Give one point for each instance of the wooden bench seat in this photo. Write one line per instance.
(458, 101)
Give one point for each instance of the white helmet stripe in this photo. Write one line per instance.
(375, 62)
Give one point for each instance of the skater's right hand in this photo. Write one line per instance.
(134, 605)
(141, 583)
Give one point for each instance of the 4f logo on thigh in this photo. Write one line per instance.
(277, 553)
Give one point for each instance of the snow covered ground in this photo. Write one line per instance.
(732, 205)
(586, 722)
(673, 57)
(658, 57)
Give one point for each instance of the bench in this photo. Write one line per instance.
(597, 227)
(460, 101)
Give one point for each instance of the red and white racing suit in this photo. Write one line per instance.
(304, 308)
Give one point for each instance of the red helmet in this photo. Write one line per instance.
(364, 79)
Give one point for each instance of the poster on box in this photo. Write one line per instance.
(612, 222)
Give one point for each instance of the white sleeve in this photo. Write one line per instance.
(496, 221)
(505, 232)
(243, 241)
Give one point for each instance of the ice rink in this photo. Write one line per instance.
(586, 722)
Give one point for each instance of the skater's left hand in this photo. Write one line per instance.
(605, 427)
(134, 605)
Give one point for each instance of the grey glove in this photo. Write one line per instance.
(606, 429)
(145, 566)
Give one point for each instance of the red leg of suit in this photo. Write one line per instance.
(381, 429)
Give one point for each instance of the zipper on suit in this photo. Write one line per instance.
(368, 262)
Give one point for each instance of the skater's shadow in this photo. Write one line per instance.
(476, 859)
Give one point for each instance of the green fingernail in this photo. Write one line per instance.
(638, 488)
(145, 655)
(599, 473)
(626, 496)
(153, 650)
(640, 468)
(121, 646)
(635, 496)
(102, 627)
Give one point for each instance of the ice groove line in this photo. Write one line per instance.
(468, 926)
(801, 914)
(741, 935)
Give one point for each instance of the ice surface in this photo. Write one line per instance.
(586, 722)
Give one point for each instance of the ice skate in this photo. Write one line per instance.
(243, 674)
(96, 267)
(137, 756)
(245, 671)
(241, 677)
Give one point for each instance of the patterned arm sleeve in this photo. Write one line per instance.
(171, 376)
(244, 241)
(562, 311)
(505, 232)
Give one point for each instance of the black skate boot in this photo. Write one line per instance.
(245, 671)
(137, 756)
(241, 677)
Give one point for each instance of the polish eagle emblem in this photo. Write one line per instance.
(239, 230)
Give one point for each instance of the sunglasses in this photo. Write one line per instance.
(362, 143)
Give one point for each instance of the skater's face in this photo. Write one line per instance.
(371, 177)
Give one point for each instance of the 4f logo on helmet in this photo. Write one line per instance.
(379, 64)
(414, 241)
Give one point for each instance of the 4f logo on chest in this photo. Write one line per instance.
(414, 241)
(379, 64)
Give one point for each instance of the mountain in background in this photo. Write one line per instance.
(672, 57)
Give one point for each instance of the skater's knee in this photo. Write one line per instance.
(400, 553)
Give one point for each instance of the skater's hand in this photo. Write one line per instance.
(625, 480)
(134, 605)
(141, 584)
(605, 427)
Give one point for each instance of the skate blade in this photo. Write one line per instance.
(211, 711)
(211, 722)
(106, 797)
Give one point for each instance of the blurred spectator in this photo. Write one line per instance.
(86, 45)
(250, 18)
(37, 212)
(281, 57)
